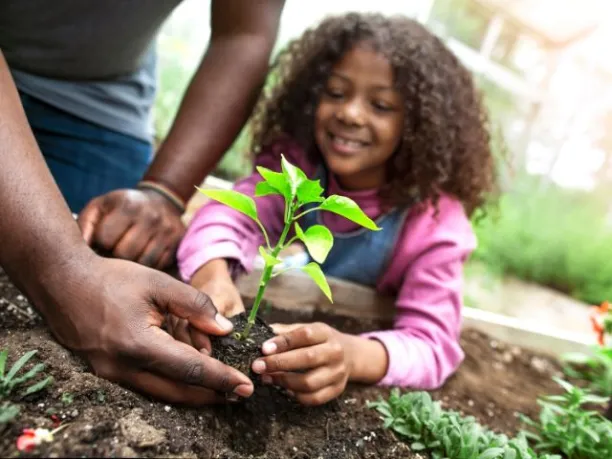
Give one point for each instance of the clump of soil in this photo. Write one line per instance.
(240, 352)
(105, 420)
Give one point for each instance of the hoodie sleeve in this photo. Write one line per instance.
(423, 348)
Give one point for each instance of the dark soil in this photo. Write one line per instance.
(240, 353)
(494, 383)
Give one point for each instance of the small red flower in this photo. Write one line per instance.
(598, 318)
(31, 438)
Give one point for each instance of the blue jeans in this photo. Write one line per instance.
(85, 159)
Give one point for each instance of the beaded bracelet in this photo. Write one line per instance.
(163, 191)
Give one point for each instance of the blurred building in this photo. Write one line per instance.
(543, 65)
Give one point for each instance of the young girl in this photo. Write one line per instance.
(382, 112)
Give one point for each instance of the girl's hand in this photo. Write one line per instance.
(214, 279)
(318, 352)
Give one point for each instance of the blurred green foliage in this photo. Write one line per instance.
(552, 236)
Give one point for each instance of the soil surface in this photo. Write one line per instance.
(494, 383)
(240, 353)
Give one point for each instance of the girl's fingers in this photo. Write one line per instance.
(298, 359)
(303, 336)
(279, 329)
(310, 382)
(180, 330)
(322, 396)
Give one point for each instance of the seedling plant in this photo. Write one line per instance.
(426, 427)
(566, 426)
(12, 380)
(297, 191)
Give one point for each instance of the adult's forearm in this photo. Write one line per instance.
(216, 105)
(37, 232)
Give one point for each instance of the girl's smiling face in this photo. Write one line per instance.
(359, 119)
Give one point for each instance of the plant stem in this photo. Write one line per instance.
(297, 217)
(265, 278)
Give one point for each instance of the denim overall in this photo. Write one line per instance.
(362, 255)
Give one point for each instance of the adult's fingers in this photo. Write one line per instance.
(297, 359)
(169, 390)
(182, 300)
(180, 330)
(165, 356)
(111, 228)
(153, 252)
(199, 340)
(133, 242)
(89, 218)
(166, 258)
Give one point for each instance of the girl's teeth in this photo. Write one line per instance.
(348, 143)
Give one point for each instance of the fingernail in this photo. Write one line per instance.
(204, 351)
(266, 379)
(243, 390)
(223, 322)
(269, 347)
(259, 366)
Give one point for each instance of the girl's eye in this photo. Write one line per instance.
(334, 93)
(382, 106)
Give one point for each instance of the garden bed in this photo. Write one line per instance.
(494, 382)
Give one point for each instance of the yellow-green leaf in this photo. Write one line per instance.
(292, 174)
(275, 180)
(318, 240)
(314, 271)
(309, 191)
(264, 189)
(233, 199)
(349, 209)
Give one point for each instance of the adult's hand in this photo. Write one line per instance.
(135, 225)
(111, 313)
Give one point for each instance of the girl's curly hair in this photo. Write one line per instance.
(445, 146)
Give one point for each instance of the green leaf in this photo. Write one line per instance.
(349, 209)
(491, 453)
(233, 199)
(314, 271)
(8, 412)
(19, 364)
(3, 357)
(318, 240)
(29, 375)
(292, 175)
(38, 386)
(566, 385)
(264, 189)
(416, 446)
(269, 259)
(309, 191)
(276, 180)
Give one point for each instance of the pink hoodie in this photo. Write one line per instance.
(425, 272)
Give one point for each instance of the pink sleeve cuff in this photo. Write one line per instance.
(400, 353)
(189, 266)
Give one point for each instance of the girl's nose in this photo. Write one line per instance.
(351, 114)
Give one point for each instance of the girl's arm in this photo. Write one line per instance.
(423, 350)
(217, 231)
